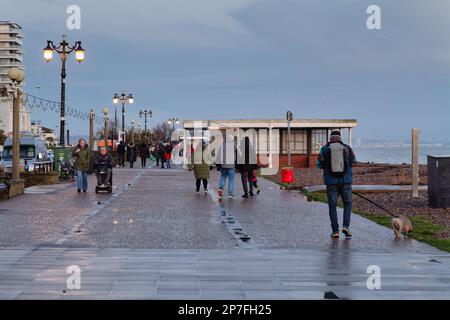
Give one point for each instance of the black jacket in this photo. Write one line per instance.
(121, 148)
(103, 161)
(247, 158)
(131, 152)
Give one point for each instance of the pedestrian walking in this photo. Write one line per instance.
(153, 153)
(121, 150)
(83, 160)
(254, 181)
(131, 153)
(227, 166)
(144, 153)
(337, 159)
(168, 154)
(246, 165)
(201, 169)
(160, 154)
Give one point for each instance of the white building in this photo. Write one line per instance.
(11, 55)
(49, 135)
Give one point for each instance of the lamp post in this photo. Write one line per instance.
(132, 131)
(91, 128)
(139, 131)
(173, 121)
(145, 113)
(105, 112)
(123, 98)
(17, 76)
(64, 49)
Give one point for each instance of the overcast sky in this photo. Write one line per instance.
(230, 59)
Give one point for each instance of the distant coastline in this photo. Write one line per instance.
(396, 152)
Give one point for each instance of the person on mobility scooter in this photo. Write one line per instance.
(103, 164)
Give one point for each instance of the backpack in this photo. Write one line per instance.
(336, 157)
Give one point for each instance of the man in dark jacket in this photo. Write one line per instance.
(246, 164)
(161, 154)
(337, 159)
(121, 148)
(103, 162)
(143, 153)
(131, 153)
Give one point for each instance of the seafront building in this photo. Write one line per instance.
(11, 55)
(307, 136)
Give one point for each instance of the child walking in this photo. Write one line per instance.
(254, 181)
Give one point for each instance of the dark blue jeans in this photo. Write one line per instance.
(345, 191)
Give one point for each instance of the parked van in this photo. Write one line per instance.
(33, 150)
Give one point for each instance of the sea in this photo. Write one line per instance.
(398, 154)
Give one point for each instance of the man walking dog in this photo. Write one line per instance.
(336, 159)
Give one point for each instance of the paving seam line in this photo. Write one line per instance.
(76, 229)
(244, 241)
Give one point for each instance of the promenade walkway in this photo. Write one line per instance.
(155, 238)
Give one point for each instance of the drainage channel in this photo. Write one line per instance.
(244, 241)
(77, 229)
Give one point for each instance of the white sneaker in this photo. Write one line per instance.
(231, 196)
(206, 191)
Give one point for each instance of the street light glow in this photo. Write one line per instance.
(79, 54)
(48, 52)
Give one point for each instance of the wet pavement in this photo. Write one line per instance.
(155, 237)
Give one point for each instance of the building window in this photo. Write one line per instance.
(299, 140)
(319, 139)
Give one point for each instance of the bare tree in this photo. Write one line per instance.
(162, 132)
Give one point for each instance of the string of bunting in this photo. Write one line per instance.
(33, 102)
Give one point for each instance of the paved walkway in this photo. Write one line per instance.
(154, 237)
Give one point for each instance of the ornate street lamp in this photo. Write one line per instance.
(17, 76)
(145, 113)
(64, 50)
(123, 98)
(173, 121)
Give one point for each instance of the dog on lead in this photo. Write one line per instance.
(402, 225)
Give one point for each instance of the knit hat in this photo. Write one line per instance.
(335, 133)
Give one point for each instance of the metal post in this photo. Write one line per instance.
(68, 137)
(289, 119)
(63, 100)
(16, 136)
(91, 129)
(115, 123)
(123, 119)
(106, 132)
(415, 163)
(145, 129)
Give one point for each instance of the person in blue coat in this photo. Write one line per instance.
(337, 159)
